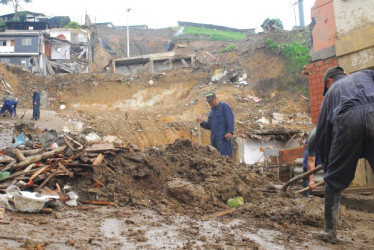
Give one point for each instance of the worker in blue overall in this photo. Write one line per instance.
(344, 134)
(35, 104)
(220, 123)
(8, 104)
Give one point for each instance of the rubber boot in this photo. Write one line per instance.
(332, 203)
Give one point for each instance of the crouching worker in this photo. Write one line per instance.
(8, 104)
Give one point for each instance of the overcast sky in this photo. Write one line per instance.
(165, 13)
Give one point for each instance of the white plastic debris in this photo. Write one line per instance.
(73, 199)
(92, 138)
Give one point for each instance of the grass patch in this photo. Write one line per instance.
(212, 34)
(231, 47)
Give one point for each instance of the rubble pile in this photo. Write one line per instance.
(182, 176)
(35, 167)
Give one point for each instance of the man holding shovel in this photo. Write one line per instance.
(220, 123)
(344, 134)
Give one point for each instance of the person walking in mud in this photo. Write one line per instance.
(35, 104)
(220, 123)
(344, 134)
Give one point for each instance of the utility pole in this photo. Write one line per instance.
(128, 33)
(294, 11)
(301, 13)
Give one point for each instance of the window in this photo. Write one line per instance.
(24, 62)
(26, 41)
(2, 42)
(5, 60)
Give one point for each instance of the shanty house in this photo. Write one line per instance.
(22, 48)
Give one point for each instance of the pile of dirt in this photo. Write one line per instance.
(182, 177)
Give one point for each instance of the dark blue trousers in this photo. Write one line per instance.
(8, 105)
(36, 111)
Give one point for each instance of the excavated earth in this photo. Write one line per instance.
(167, 190)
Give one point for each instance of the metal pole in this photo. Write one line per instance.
(128, 33)
(294, 12)
(301, 13)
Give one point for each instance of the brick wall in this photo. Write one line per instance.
(315, 72)
(288, 157)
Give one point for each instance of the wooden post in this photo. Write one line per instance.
(20, 157)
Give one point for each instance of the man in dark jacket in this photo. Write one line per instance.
(220, 123)
(35, 104)
(344, 134)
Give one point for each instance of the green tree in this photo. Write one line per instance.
(16, 4)
(2, 25)
(73, 25)
(273, 24)
(64, 21)
(22, 16)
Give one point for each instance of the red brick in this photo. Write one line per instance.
(324, 67)
(319, 63)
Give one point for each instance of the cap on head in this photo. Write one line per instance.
(210, 96)
(332, 73)
(34, 87)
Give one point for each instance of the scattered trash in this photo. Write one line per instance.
(73, 197)
(4, 174)
(20, 139)
(29, 202)
(2, 213)
(92, 138)
(235, 202)
(77, 126)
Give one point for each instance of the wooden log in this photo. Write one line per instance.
(99, 159)
(68, 144)
(211, 216)
(13, 176)
(49, 178)
(38, 158)
(77, 165)
(9, 166)
(71, 174)
(32, 151)
(20, 157)
(302, 176)
(40, 170)
(100, 203)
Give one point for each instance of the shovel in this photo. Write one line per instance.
(307, 188)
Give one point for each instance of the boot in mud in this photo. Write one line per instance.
(332, 203)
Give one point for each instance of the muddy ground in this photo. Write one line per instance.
(275, 222)
(162, 196)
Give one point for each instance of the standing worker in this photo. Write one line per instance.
(220, 123)
(344, 134)
(313, 157)
(35, 104)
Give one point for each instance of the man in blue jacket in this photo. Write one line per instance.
(220, 123)
(35, 104)
(344, 134)
(8, 104)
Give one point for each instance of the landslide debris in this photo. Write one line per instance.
(182, 177)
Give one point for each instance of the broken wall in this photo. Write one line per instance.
(355, 30)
